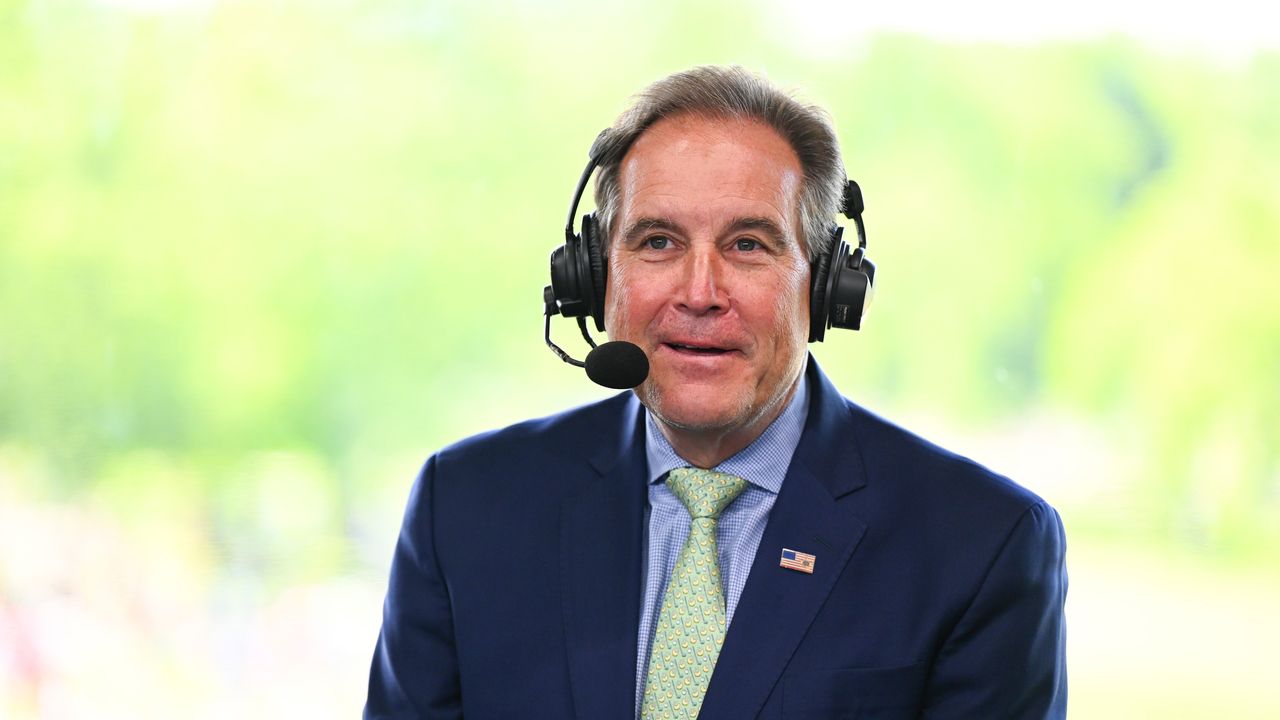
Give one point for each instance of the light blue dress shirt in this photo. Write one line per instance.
(763, 464)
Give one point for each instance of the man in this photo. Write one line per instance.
(734, 538)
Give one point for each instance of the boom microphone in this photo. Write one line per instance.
(617, 364)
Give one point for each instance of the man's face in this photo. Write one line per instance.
(707, 273)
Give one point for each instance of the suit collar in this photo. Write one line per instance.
(621, 442)
(829, 448)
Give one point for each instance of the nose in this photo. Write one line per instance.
(702, 288)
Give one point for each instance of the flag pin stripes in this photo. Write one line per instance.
(794, 560)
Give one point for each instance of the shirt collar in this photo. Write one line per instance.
(763, 463)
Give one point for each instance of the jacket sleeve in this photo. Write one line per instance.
(415, 669)
(1006, 657)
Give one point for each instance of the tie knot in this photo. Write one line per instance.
(705, 493)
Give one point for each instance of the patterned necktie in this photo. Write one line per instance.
(691, 623)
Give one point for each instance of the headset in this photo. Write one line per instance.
(842, 281)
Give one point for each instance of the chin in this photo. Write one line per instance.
(697, 408)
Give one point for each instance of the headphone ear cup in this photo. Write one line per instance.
(598, 273)
(850, 290)
(819, 272)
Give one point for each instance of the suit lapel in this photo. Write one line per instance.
(600, 568)
(778, 605)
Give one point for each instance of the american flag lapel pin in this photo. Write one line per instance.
(794, 560)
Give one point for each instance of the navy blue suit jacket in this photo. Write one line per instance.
(515, 588)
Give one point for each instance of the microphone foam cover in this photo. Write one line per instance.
(618, 364)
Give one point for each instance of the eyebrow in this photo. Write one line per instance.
(648, 224)
(760, 224)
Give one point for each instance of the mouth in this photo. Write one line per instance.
(697, 350)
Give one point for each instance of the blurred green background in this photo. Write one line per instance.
(259, 259)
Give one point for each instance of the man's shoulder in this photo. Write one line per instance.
(908, 463)
(947, 508)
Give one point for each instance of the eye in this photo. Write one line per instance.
(658, 242)
(747, 245)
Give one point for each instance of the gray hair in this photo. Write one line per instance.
(732, 93)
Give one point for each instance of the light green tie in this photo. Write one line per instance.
(691, 624)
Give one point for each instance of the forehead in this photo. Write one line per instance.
(702, 167)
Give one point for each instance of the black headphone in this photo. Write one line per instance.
(842, 282)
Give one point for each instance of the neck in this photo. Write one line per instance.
(708, 447)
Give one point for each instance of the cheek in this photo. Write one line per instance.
(792, 301)
(617, 297)
(800, 285)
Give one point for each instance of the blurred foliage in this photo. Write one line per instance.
(250, 227)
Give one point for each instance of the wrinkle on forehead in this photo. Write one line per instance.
(677, 157)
